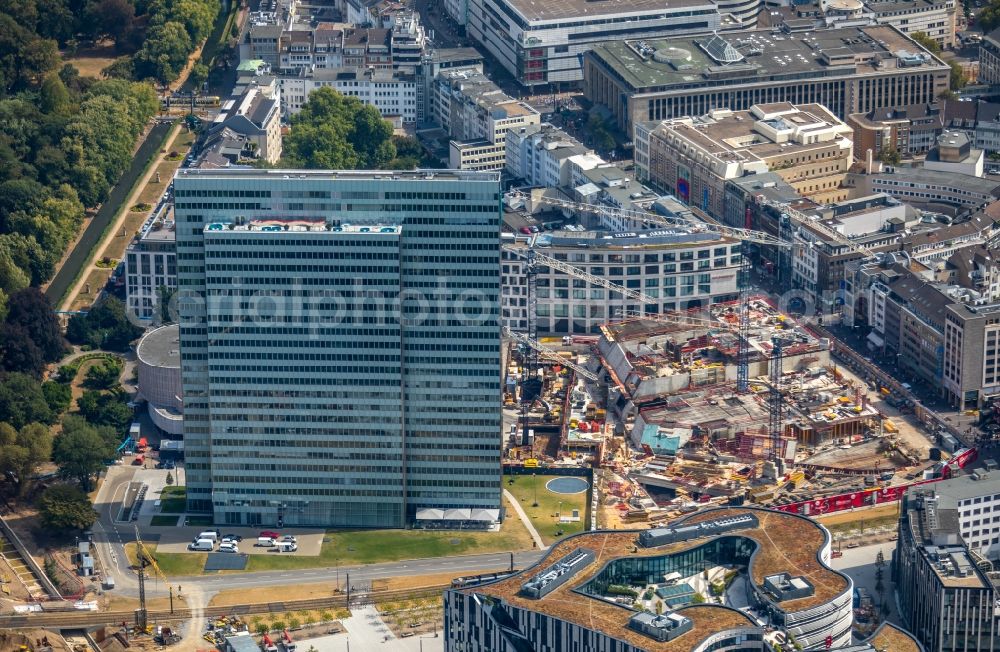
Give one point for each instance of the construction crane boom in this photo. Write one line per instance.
(745, 235)
(551, 354)
(144, 558)
(576, 272)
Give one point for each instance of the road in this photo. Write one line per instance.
(110, 539)
(80, 256)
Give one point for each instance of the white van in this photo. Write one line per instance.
(202, 544)
(287, 546)
(265, 542)
(211, 535)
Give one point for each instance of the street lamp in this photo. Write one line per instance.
(534, 478)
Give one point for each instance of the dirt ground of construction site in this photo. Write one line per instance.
(911, 442)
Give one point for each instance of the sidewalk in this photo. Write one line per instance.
(527, 521)
(114, 228)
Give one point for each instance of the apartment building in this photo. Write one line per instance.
(332, 376)
(540, 155)
(257, 117)
(935, 18)
(151, 265)
(394, 94)
(295, 43)
(541, 43)
(989, 58)
(939, 322)
(684, 270)
(847, 70)
(693, 157)
(910, 130)
(477, 115)
(945, 530)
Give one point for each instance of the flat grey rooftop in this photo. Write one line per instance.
(542, 10)
(756, 57)
(161, 347)
(332, 175)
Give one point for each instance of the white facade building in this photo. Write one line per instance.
(543, 43)
(477, 116)
(394, 95)
(541, 155)
(150, 266)
(684, 270)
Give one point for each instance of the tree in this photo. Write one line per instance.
(18, 352)
(54, 96)
(33, 311)
(106, 326)
(58, 396)
(105, 409)
(927, 42)
(104, 375)
(65, 507)
(956, 79)
(890, 156)
(80, 451)
(333, 131)
(198, 75)
(21, 452)
(169, 479)
(22, 401)
(372, 138)
(113, 18)
(164, 53)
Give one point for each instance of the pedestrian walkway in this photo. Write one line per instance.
(527, 521)
(366, 631)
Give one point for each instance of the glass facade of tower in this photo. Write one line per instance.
(340, 344)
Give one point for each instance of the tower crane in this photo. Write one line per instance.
(551, 354)
(531, 388)
(144, 559)
(746, 236)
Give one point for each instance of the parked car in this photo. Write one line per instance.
(231, 538)
(265, 542)
(286, 546)
(202, 544)
(288, 538)
(227, 546)
(270, 534)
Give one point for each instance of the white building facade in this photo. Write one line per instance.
(683, 270)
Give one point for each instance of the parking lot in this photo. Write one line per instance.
(308, 541)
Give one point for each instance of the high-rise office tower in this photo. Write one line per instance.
(340, 344)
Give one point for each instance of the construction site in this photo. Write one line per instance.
(655, 404)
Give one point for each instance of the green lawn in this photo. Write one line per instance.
(351, 548)
(172, 563)
(528, 488)
(173, 500)
(164, 521)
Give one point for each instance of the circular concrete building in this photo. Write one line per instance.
(159, 364)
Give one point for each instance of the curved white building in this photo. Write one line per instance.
(159, 364)
(743, 12)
